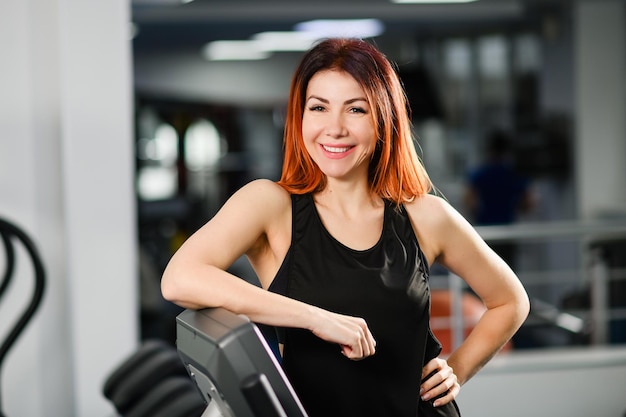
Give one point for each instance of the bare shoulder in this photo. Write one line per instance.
(261, 218)
(264, 187)
(262, 194)
(265, 202)
(255, 210)
(435, 221)
(431, 210)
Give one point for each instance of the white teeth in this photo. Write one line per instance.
(334, 149)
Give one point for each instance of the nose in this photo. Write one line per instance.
(336, 126)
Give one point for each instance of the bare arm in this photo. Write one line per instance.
(450, 240)
(196, 276)
(255, 221)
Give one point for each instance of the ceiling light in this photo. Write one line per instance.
(284, 41)
(234, 51)
(261, 45)
(330, 28)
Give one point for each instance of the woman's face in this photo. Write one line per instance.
(337, 125)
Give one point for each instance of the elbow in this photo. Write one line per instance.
(179, 287)
(169, 287)
(523, 306)
(172, 289)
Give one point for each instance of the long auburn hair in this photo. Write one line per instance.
(395, 170)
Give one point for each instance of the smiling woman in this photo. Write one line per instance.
(342, 245)
(337, 125)
(373, 81)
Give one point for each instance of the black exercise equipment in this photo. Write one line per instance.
(173, 396)
(153, 381)
(233, 366)
(9, 233)
(148, 349)
(140, 384)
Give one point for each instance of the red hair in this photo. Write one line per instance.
(395, 171)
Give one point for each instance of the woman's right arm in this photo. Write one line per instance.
(196, 276)
(250, 223)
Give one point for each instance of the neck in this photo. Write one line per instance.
(347, 197)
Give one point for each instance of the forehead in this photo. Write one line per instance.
(334, 81)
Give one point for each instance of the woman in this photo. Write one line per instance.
(342, 246)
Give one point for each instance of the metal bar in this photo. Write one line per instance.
(599, 274)
(456, 310)
(551, 230)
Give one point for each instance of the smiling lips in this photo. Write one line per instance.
(336, 149)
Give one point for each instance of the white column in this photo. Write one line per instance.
(66, 176)
(600, 62)
(98, 161)
(18, 197)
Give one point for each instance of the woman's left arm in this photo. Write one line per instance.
(451, 241)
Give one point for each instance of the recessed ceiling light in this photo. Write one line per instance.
(329, 28)
(306, 34)
(234, 51)
(284, 41)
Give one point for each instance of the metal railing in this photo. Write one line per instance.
(591, 270)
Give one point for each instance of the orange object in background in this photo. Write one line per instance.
(441, 320)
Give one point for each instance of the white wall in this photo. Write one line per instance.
(66, 177)
(184, 73)
(600, 58)
(549, 383)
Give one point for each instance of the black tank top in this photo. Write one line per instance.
(387, 285)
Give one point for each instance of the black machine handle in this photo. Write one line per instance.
(10, 263)
(261, 397)
(9, 232)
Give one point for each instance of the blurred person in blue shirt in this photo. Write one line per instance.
(496, 193)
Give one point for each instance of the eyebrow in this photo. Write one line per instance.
(323, 100)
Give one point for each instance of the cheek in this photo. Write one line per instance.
(308, 136)
(368, 138)
(308, 129)
(368, 130)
